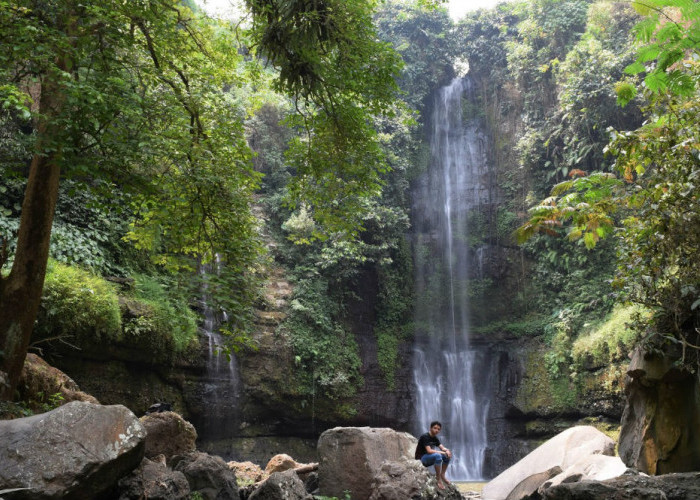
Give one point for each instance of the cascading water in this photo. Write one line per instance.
(221, 384)
(451, 378)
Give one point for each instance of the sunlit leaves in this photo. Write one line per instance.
(670, 34)
(585, 205)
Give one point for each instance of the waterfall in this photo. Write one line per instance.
(222, 390)
(451, 378)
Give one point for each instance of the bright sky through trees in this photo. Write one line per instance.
(457, 8)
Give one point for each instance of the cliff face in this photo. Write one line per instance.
(271, 402)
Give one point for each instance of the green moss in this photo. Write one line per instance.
(541, 392)
(326, 355)
(608, 341)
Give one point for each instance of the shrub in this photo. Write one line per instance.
(163, 316)
(78, 303)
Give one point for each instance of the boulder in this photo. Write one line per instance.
(76, 451)
(281, 486)
(661, 417)
(155, 481)
(280, 463)
(684, 486)
(40, 382)
(207, 475)
(168, 434)
(350, 458)
(562, 451)
(532, 483)
(407, 478)
(589, 468)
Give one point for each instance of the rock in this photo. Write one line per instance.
(247, 471)
(207, 475)
(407, 478)
(350, 457)
(168, 434)
(281, 486)
(311, 482)
(76, 451)
(40, 381)
(684, 486)
(563, 450)
(661, 417)
(155, 481)
(530, 484)
(591, 467)
(280, 463)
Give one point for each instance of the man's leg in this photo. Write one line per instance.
(443, 469)
(437, 460)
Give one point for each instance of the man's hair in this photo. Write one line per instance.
(435, 422)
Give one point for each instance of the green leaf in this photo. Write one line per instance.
(635, 68)
(656, 81)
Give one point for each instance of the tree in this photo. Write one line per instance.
(340, 77)
(121, 93)
(132, 93)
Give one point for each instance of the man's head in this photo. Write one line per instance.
(435, 428)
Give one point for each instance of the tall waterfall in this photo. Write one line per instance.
(450, 377)
(221, 384)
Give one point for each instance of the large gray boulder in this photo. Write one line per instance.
(562, 451)
(167, 433)
(350, 458)
(153, 480)
(76, 451)
(685, 486)
(281, 486)
(207, 475)
(408, 479)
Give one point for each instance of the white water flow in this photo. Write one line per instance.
(222, 386)
(445, 367)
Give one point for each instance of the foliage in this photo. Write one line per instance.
(340, 77)
(78, 304)
(394, 303)
(668, 32)
(163, 315)
(325, 351)
(658, 170)
(425, 40)
(660, 237)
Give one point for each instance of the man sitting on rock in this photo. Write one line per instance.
(431, 452)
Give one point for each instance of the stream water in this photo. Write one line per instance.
(451, 377)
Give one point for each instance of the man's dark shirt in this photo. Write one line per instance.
(426, 440)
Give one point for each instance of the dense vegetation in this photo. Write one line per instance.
(162, 129)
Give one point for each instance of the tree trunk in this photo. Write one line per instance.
(20, 291)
